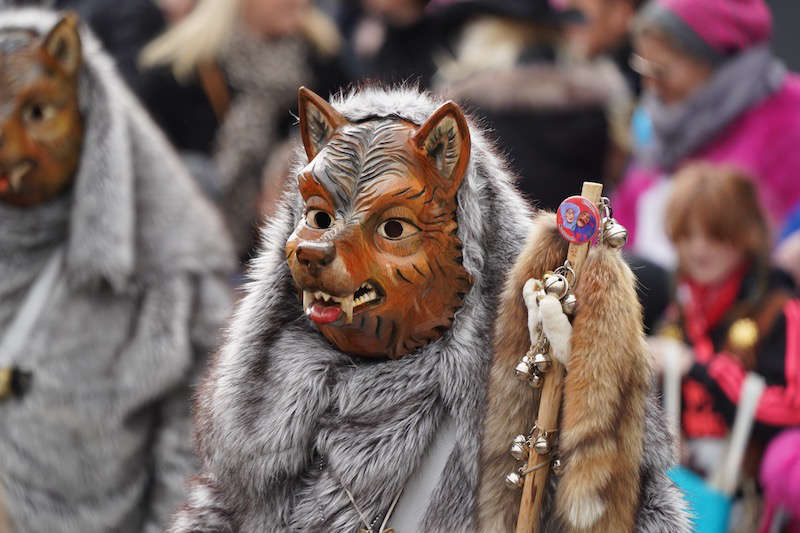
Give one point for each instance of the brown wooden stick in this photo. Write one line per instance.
(550, 400)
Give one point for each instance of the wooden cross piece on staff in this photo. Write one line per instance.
(550, 400)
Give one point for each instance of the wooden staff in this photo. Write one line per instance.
(550, 400)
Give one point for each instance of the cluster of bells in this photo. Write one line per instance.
(534, 365)
(531, 369)
(541, 443)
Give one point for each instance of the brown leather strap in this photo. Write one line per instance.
(216, 89)
(770, 310)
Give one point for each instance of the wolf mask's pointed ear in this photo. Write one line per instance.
(63, 44)
(445, 140)
(318, 121)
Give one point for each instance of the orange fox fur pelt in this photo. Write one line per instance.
(603, 410)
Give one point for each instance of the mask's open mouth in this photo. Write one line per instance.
(324, 308)
(11, 178)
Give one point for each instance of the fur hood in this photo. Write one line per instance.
(278, 386)
(137, 214)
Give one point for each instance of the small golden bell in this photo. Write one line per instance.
(556, 285)
(6, 377)
(542, 445)
(614, 234)
(743, 334)
(536, 381)
(558, 466)
(569, 303)
(671, 331)
(541, 362)
(515, 481)
(519, 448)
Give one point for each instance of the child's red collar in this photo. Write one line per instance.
(706, 305)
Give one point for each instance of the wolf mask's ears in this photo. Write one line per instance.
(318, 121)
(63, 44)
(444, 138)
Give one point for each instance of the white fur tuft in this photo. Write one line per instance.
(584, 512)
(556, 327)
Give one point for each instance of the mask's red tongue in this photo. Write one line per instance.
(324, 314)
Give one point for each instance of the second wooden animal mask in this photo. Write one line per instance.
(41, 130)
(377, 257)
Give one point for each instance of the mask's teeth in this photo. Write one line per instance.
(17, 173)
(308, 299)
(347, 307)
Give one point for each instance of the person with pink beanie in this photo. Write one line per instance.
(713, 91)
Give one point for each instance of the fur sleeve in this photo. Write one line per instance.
(204, 510)
(662, 508)
(173, 455)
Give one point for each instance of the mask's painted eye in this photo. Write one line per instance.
(38, 112)
(397, 228)
(318, 219)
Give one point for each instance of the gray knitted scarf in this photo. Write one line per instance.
(681, 129)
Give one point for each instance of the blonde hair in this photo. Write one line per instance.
(198, 38)
(203, 34)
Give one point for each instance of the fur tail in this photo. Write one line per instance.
(203, 512)
(608, 378)
(512, 406)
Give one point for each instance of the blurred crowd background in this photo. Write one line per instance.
(562, 84)
(624, 92)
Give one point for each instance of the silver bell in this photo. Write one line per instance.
(519, 448)
(515, 481)
(615, 234)
(524, 371)
(569, 304)
(542, 445)
(541, 362)
(558, 466)
(556, 285)
(536, 380)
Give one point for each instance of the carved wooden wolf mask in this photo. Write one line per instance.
(41, 130)
(377, 257)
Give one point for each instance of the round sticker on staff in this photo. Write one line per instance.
(578, 219)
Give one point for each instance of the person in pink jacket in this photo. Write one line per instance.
(713, 91)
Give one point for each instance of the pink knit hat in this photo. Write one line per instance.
(728, 26)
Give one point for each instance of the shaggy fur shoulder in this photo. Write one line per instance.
(615, 458)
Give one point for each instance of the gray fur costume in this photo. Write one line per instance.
(286, 422)
(101, 442)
